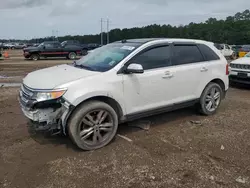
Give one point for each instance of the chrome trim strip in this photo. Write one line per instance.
(44, 90)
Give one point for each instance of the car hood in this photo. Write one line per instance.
(243, 60)
(53, 77)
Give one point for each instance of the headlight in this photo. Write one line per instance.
(49, 95)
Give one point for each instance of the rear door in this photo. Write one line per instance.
(187, 66)
(213, 66)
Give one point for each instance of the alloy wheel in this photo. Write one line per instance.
(212, 99)
(96, 127)
(72, 55)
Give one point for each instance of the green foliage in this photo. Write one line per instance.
(233, 30)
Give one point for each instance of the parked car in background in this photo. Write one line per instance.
(240, 70)
(226, 50)
(9, 46)
(244, 50)
(124, 81)
(85, 47)
(52, 49)
(20, 46)
(1, 46)
(236, 49)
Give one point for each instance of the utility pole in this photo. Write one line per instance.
(53, 35)
(101, 32)
(57, 35)
(107, 31)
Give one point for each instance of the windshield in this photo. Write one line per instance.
(63, 43)
(105, 58)
(248, 54)
(41, 45)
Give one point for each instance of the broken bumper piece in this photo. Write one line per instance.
(53, 117)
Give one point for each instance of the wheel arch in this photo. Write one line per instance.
(108, 100)
(219, 82)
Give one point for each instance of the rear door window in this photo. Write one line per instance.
(186, 54)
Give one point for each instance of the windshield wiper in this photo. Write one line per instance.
(84, 67)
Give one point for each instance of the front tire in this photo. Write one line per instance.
(93, 125)
(210, 99)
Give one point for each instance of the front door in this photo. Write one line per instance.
(153, 88)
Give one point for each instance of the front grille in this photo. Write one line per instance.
(26, 92)
(26, 95)
(240, 66)
(240, 80)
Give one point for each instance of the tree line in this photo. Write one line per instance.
(232, 30)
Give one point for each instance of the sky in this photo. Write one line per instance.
(26, 19)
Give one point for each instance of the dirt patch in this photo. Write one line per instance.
(174, 152)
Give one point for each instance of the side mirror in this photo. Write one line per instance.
(134, 68)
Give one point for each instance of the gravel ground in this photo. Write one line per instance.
(180, 149)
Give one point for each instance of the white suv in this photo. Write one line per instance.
(240, 70)
(123, 81)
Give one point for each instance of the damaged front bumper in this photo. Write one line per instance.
(46, 115)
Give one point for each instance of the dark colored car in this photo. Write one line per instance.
(3, 46)
(85, 47)
(236, 49)
(52, 49)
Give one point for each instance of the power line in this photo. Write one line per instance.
(108, 23)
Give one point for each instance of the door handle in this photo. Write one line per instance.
(204, 69)
(167, 75)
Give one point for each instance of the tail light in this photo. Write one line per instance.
(227, 69)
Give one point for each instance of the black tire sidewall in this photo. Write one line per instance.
(203, 109)
(77, 116)
(34, 55)
(70, 54)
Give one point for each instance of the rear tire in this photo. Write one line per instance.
(93, 125)
(35, 57)
(72, 55)
(210, 99)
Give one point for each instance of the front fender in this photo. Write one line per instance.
(82, 98)
(75, 96)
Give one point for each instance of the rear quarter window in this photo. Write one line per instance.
(208, 53)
